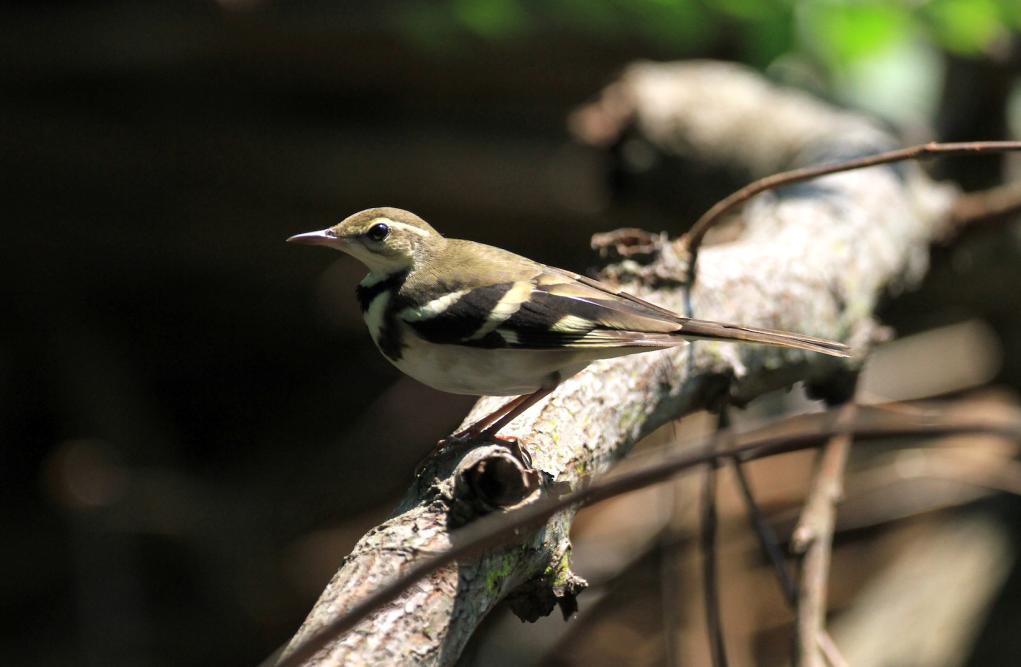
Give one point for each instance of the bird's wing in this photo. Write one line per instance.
(552, 309)
(568, 310)
(544, 309)
(689, 328)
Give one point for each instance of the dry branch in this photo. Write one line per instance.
(708, 526)
(813, 537)
(771, 551)
(813, 260)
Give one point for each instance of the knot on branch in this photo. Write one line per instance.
(638, 255)
(628, 243)
(488, 479)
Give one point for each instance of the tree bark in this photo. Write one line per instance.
(813, 258)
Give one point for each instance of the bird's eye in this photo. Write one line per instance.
(378, 231)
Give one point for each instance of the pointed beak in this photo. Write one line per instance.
(324, 237)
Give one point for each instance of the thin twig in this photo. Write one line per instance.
(829, 649)
(767, 538)
(813, 537)
(977, 209)
(770, 546)
(709, 524)
(710, 584)
(669, 584)
(494, 529)
(692, 241)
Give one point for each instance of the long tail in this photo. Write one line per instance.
(733, 332)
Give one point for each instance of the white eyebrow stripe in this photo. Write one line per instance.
(431, 309)
(402, 226)
(508, 304)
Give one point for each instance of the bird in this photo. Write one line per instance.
(468, 318)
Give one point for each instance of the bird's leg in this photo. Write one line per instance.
(515, 408)
(519, 405)
(486, 429)
(474, 431)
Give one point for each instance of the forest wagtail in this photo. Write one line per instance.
(468, 318)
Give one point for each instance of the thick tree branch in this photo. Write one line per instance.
(500, 529)
(814, 260)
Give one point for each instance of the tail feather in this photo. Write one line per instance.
(733, 332)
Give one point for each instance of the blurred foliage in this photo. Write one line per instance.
(836, 32)
(880, 56)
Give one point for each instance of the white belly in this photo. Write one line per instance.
(458, 369)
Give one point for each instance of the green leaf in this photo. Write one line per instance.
(749, 10)
(491, 19)
(842, 32)
(681, 25)
(965, 26)
(597, 17)
(767, 39)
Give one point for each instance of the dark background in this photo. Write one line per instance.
(194, 426)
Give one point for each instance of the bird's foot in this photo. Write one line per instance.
(469, 438)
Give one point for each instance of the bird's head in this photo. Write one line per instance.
(384, 239)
